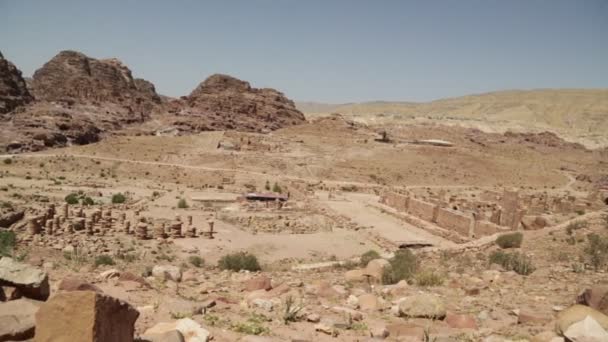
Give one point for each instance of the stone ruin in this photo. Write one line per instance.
(487, 213)
(74, 220)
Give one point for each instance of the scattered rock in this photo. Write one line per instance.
(577, 313)
(168, 336)
(587, 330)
(191, 331)
(375, 269)
(77, 284)
(460, 321)
(17, 320)
(30, 281)
(261, 282)
(167, 272)
(422, 306)
(595, 297)
(85, 316)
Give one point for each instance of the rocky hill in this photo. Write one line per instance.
(80, 100)
(72, 77)
(222, 102)
(579, 115)
(13, 90)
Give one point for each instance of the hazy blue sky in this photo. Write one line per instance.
(326, 50)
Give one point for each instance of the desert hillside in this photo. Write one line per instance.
(577, 114)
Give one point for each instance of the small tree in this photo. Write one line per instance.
(277, 188)
(118, 198)
(267, 186)
(87, 201)
(403, 267)
(71, 198)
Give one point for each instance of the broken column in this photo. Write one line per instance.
(33, 228)
(176, 229)
(141, 231)
(159, 231)
(65, 210)
(49, 227)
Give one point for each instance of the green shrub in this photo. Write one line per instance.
(8, 161)
(118, 198)
(267, 186)
(71, 198)
(253, 325)
(104, 260)
(87, 201)
(239, 261)
(428, 278)
(369, 256)
(277, 188)
(517, 262)
(7, 242)
(196, 261)
(596, 251)
(510, 240)
(182, 203)
(403, 267)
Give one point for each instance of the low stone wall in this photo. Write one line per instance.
(421, 209)
(485, 228)
(459, 223)
(453, 220)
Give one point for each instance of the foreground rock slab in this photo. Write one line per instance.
(85, 316)
(30, 281)
(17, 321)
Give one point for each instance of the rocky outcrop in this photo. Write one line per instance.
(79, 100)
(73, 77)
(223, 102)
(13, 90)
(28, 280)
(85, 316)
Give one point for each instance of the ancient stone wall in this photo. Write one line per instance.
(485, 228)
(421, 209)
(453, 220)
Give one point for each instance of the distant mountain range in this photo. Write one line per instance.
(577, 114)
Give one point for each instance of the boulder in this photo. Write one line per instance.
(77, 284)
(31, 282)
(167, 272)
(354, 276)
(423, 305)
(369, 302)
(577, 313)
(460, 321)
(168, 336)
(17, 321)
(261, 282)
(587, 330)
(190, 330)
(85, 316)
(375, 269)
(595, 297)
